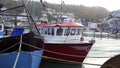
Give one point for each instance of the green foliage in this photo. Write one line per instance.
(81, 11)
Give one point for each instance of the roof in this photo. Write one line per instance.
(63, 24)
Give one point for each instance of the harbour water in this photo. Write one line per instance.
(101, 51)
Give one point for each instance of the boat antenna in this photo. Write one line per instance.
(62, 2)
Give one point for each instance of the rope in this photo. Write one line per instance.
(75, 62)
(14, 66)
(49, 57)
(52, 51)
(61, 53)
(92, 64)
(7, 53)
(53, 58)
(9, 47)
(97, 57)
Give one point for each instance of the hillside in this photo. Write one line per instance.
(80, 11)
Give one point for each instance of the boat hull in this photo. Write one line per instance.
(25, 60)
(58, 64)
(73, 53)
(29, 57)
(28, 38)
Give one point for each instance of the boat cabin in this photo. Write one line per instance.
(6, 31)
(64, 32)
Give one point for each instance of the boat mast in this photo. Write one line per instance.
(31, 17)
(61, 10)
(33, 8)
(62, 2)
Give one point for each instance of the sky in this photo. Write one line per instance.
(110, 5)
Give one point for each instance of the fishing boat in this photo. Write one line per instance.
(64, 42)
(19, 48)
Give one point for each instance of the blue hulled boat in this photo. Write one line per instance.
(14, 54)
(25, 60)
(20, 48)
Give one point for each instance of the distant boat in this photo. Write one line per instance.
(19, 48)
(64, 42)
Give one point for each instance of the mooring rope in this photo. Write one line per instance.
(47, 56)
(74, 62)
(3, 54)
(52, 51)
(97, 57)
(52, 58)
(92, 64)
(63, 54)
(60, 53)
(9, 47)
(14, 66)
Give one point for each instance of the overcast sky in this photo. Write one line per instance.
(110, 5)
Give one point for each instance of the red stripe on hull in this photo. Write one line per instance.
(69, 52)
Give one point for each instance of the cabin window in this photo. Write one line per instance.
(49, 31)
(0, 27)
(59, 32)
(41, 30)
(45, 31)
(78, 32)
(73, 31)
(67, 32)
(52, 31)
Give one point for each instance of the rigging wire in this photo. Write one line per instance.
(28, 12)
